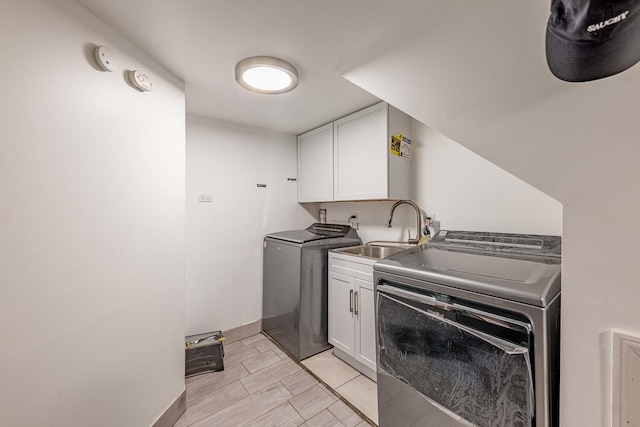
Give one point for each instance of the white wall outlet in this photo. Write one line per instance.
(205, 198)
(353, 220)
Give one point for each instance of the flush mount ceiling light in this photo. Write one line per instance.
(265, 74)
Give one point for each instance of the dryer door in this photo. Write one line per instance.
(469, 375)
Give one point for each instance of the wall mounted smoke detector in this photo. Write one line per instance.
(105, 57)
(139, 80)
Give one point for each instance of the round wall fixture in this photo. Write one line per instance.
(106, 57)
(139, 80)
(265, 74)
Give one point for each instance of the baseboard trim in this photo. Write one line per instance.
(173, 412)
(242, 332)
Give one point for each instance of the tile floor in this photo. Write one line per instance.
(262, 387)
(347, 382)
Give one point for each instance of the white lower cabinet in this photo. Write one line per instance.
(351, 309)
(365, 325)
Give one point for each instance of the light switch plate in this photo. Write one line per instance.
(626, 380)
(205, 198)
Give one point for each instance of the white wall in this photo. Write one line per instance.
(458, 188)
(467, 192)
(224, 238)
(92, 226)
(576, 142)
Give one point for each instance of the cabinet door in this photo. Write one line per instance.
(315, 165)
(365, 324)
(360, 155)
(341, 329)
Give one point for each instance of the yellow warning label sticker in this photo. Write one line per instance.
(400, 146)
(396, 143)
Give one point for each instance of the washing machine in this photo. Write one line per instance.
(294, 298)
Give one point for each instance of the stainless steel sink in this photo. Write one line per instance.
(373, 251)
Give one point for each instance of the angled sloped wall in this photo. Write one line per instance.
(477, 74)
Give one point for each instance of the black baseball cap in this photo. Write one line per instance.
(592, 39)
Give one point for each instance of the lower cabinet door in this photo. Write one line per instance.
(341, 307)
(365, 324)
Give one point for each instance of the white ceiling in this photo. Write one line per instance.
(200, 41)
(474, 71)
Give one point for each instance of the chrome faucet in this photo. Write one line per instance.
(418, 215)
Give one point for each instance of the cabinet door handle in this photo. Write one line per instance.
(355, 300)
(350, 300)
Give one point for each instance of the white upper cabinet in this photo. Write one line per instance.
(315, 165)
(364, 165)
(365, 168)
